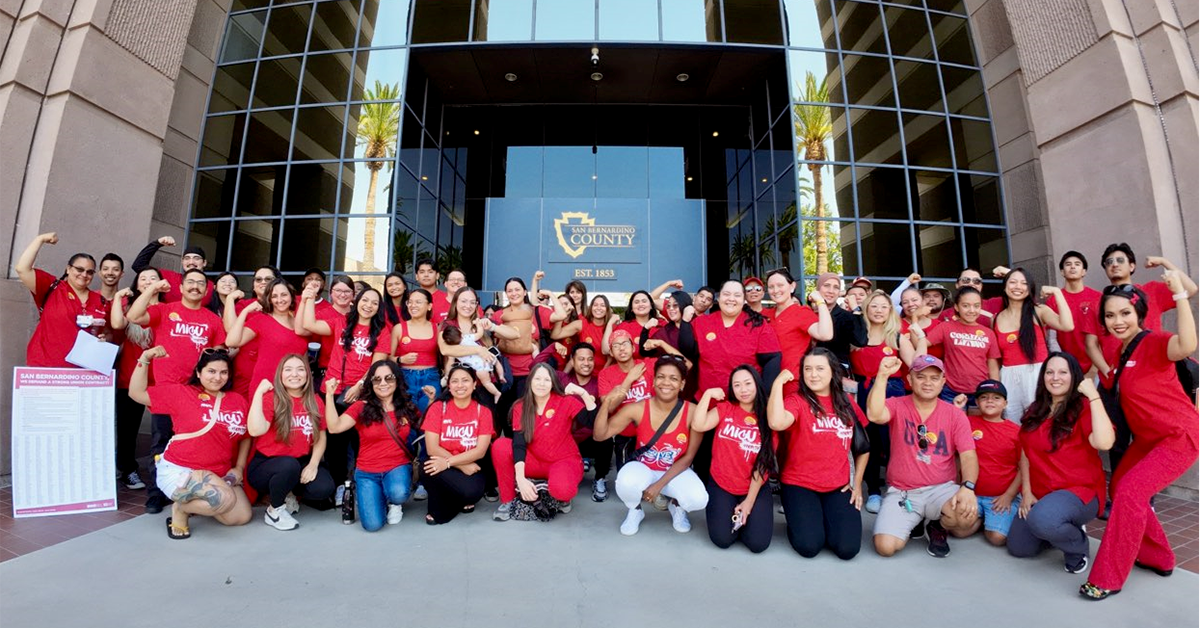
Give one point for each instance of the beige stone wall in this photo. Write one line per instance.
(101, 103)
(1094, 104)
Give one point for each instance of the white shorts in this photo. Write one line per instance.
(170, 477)
(1021, 382)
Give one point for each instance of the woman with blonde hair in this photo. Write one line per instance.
(287, 421)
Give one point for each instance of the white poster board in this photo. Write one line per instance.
(62, 441)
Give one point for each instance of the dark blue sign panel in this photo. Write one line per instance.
(610, 244)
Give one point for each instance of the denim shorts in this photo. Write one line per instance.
(170, 477)
(994, 521)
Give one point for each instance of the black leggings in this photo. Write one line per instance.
(718, 514)
(341, 452)
(129, 421)
(816, 520)
(161, 431)
(280, 475)
(451, 490)
(601, 452)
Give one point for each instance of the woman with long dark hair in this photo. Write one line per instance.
(527, 321)
(245, 356)
(275, 327)
(666, 445)
(1062, 477)
(593, 326)
(137, 339)
(743, 457)
(822, 486)
(543, 445)
(66, 304)
(796, 326)
(224, 286)
(916, 318)
(458, 430)
(414, 346)
(1165, 432)
(383, 417)
(202, 468)
(640, 315)
(339, 304)
(1020, 329)
(394, 303)
(287, 421)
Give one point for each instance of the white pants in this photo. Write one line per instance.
(686, 488)
(1021, 382)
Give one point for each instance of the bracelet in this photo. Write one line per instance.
(1093, 399)
(1180, 296)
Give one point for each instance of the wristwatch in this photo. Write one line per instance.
(969, 485)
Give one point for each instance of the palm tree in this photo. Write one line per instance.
(378, 128)
(742, 252)
(814, 127)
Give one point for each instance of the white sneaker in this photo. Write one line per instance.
(599, 490)
(502, 511)
(291, 504)
(565, 508)
(420, 494)
(395, 514)
(632, 522)
(679, 518)
(280, 519)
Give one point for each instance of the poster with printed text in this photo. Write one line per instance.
(62, 442)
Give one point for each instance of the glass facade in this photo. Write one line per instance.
(848, 136)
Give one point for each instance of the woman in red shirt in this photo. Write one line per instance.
(1020, 329)
(287, 421)
(458, 430)
(739, 499)
(666, 446)
(543, 444)
(796, 325)
(914, 313)
(136, 340)
(527, 321)
(821, 487)
(383, 417)
(594, 329)
(640, 314)
(202, 467)
(1062, 477)
(415, 348)
(1165, 431)
(66, 305)
(394, 304)
(275, 328)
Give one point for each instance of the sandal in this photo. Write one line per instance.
(177, 532)
(429, 520)
(468, 508)
(1095, 593)
(1162, 572)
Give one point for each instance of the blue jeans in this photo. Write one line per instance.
(377, 490)
(416, 379)
(948, 394)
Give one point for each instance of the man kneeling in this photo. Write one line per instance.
(927, 433)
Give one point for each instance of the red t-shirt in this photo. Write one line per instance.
(736, 443)
(552, 438)
(358, 360)
(378, 452)
(669, 447)
(818, 448)
(324, 311)
(934, 350)
(864, 361)
(1075, 466)
(425, 348)
(967, 349)
(184, 333)
(523, 362)
(1155, 405)
(275, 342)
(594, 335)
(1084, 307)
(191, 409)
(791, 327)
(56, 329)
(458, 429)
(998, 447)
(302, 435)
(635, 330)
(641, 390)
(1158, 300)
(1010, 347)
(948, 433)
(723, 349)
(175, 294)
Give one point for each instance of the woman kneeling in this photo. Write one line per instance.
(458, 430)
(210, 431)
(666, 445)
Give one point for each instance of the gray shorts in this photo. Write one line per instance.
(894, 520)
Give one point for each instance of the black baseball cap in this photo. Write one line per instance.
(991, 386)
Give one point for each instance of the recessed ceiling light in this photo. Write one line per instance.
(682, 76)
(716, 133)
(510, 77)
(476, 131)
(596, 76)
(593, 177)
(689, 178)
(764, 180)
(424, 178)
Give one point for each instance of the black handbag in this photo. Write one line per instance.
(861, 443)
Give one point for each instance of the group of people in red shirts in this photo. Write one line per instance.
(942, 413)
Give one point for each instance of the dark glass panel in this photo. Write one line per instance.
(876, 136)
(986, 248)
(254, 244)
(335, 26)
(953, 37)
(437, 21)
(312, 188)
(231, 88)
(973, 145)
(927, 143)
(951, 6)
(934, 195)
(881, 192)
(268, 136)
(860, 26)
(753, 22)
(964, 91)
(887, 249)
(260, 192)
(407, 248)
(908, 32)
(319, 133)
(287, 30)
(306, 243)
(276, 85)
(214, 238)
(243, 36)
(919, 88)
(214, 194)
(980, 199)
(326, 77)
(222, 140)
(939, 249)
(868, 81)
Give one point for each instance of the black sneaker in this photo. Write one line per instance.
(1103, 514)
(1077, 566)
(133, 481)
(918, 531)
(491, 495)
(155, 504)
(939, 544)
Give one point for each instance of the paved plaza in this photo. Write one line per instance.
(574, 571)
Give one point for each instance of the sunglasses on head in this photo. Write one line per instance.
(1125, 288)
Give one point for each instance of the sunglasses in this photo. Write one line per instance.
(386, 379)
(922, 437)
(1125, 288)
(754, 289)
(214, 351)
(974, 281)
(1112, 261)
(90, 272)
(263, 279)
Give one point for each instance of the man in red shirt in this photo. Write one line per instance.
(193, 258)
(927, 435)
(1084, 303)
(625, 380)
(185, 329)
